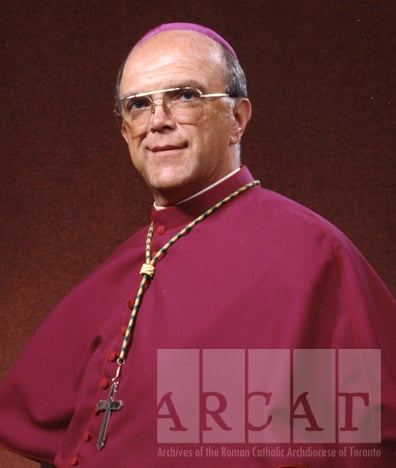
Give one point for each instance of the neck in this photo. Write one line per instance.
(183, 213)
(196, 194)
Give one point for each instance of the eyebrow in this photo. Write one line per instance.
(181, 84)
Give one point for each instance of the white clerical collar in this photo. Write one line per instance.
(201, 191)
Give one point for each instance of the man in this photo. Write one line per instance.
(157, 358)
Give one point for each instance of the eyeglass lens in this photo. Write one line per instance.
(184, 105)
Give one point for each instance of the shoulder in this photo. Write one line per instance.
(272, 214)
(113, 272)
(288, 233)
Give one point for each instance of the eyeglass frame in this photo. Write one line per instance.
(148, 94)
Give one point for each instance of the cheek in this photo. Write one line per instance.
(216, 139)
(217, 126)
(135, 151)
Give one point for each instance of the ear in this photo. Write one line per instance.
(124, 132)
(241, 114)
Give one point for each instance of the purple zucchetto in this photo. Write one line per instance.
(188, 27)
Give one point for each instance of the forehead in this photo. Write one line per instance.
(174, 58)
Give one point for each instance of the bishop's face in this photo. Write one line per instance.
(178, 159)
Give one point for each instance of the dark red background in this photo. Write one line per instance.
(322, 81)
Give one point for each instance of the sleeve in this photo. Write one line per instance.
(372, 313)
(364, 320)
(38, 397)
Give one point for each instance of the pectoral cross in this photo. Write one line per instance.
(107, 406)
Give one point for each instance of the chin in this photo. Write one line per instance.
(169, 180)
(172, 190)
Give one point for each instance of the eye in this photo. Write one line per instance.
(186, 94)
(137, 104)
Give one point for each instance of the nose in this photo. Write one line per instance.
(159, 102)
(161, 116)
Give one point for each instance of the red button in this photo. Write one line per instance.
(74, 461)
(113, 356)
(130, 304)
(161, 230)
(104, 383)
(87, 437)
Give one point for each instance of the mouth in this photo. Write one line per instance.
(167, 149)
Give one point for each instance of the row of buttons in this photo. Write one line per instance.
(113, 356)
(104, 384)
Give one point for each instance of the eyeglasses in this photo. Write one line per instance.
(184, 105)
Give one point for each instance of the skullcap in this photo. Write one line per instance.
(188, 27)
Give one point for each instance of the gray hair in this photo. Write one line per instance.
(236, 85)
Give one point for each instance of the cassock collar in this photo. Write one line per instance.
(185, 212)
